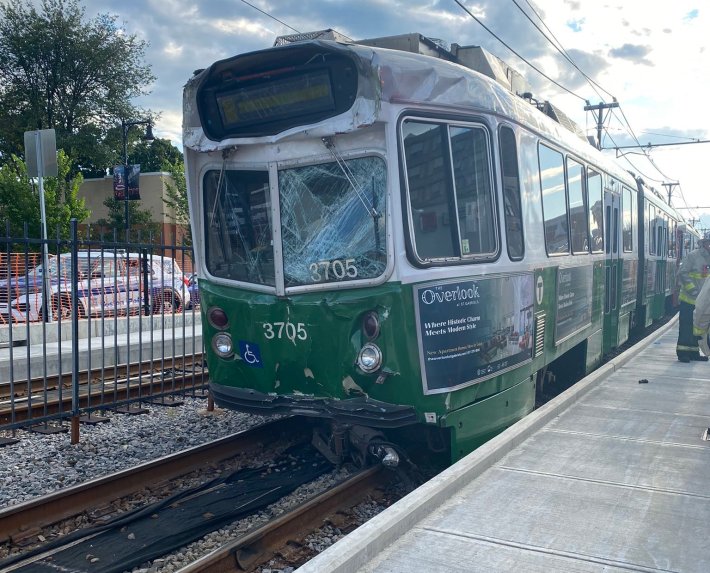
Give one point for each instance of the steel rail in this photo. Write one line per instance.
(257, 547)
(22, 519)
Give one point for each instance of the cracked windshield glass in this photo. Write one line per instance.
(332, 223)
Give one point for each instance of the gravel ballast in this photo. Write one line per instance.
(40, 464)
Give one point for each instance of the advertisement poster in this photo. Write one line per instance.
(574, 301)
(472, 330)
(119, 182)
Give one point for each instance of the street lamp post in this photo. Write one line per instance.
(125, 127)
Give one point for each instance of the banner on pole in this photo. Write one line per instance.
(119, 182)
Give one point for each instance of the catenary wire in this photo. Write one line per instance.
(538, 70)
(559, 47)
(270, 16)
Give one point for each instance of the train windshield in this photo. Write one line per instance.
(333, 223)
(238, 235)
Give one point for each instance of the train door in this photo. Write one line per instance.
(612, 269)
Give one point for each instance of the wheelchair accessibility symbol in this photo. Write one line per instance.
(250, 353)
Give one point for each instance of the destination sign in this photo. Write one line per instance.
(295, 96)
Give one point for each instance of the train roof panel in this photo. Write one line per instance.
(385, 76)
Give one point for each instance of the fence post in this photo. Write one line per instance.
(146, 278)
(74, 243)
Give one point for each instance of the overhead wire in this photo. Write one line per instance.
(646, 152)
(625, 158)
(671, 135)
(270, 16)
(591, 82)
(558, 46)
(538, 70)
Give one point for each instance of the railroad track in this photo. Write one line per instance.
(284, 535)
(18, 522)
(281, 536)
(99, 387)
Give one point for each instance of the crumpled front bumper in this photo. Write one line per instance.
(361, 410)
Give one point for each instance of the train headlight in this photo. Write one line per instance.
(222, 344)
(369, 358)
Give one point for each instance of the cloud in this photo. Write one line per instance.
(632, 52)
(629, 47)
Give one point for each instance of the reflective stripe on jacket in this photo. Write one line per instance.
(693, 271)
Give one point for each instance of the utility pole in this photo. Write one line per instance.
(670, 186)
(600, 116)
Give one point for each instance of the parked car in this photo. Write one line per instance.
(109, 282)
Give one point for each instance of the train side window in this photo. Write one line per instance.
(429, 183)
(652, 229)
(450, 190)
(511, 194)
(673, 240)
(608, 229)
(577, 208)
(554, 204)
(595, 202)
(474, 194)
(627, 221)
(662, 235)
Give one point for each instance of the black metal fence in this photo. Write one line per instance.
(90, 326)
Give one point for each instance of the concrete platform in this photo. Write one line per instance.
(611, 476)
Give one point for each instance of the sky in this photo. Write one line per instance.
(652, 56)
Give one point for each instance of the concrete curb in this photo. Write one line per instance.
(359, 547)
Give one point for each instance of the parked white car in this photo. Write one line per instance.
(108, 283)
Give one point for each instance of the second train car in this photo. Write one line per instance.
(399, 247)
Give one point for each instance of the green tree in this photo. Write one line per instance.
(19, 199)
(177, 197)
(143, 227)
(19, 204)
(63, 71)
(154, 155)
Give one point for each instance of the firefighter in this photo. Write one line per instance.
(701, 318)
(692, 274)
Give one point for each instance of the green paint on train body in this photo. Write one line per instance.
(321, 363)
(308, 343)
(659, 281)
